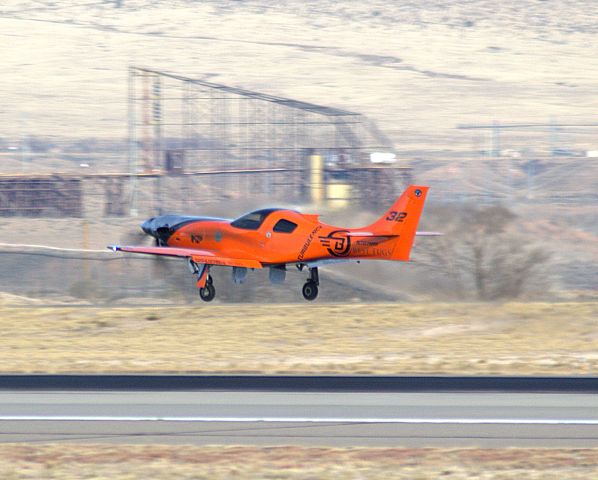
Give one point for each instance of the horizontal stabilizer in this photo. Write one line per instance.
(371, 234)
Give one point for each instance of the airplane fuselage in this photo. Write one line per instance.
(281, 237)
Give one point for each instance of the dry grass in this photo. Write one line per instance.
(513, 338)
(189, 462)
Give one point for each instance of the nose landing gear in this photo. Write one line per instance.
(205, 284)
(310, 289)
(208, 292)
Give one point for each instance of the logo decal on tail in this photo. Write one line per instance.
(338, 243)
(395, 216)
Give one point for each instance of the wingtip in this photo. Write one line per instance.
(114, 248)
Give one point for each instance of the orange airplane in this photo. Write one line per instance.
(276, 238)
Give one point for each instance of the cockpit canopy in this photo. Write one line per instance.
(253, 220)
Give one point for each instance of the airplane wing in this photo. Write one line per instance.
(208, 257)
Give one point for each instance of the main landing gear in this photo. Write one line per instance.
(310, 289)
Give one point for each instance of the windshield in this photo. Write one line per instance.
(253, 220)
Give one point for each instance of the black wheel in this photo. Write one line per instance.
(207, 293)
(310, 291)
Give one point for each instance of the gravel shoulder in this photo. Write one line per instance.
(447, 338)
(60, 462)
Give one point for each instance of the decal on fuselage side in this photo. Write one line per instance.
(338, 243)
(307, 243)
(196, 238)
(371, 247)
(362, 251)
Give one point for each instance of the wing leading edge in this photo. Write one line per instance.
(199, 256)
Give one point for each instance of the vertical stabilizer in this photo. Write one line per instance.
(401, 219)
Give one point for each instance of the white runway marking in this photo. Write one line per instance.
(447, 421)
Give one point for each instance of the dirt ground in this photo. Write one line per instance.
(125, 462)
(445, 338)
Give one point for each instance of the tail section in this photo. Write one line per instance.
(401, 221)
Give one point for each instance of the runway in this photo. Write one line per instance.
(487, 419)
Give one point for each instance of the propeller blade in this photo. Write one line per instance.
(136, 237)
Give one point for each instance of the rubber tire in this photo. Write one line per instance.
(207, 293)
(310, 291)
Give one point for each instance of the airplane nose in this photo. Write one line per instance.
(147, 226)
(159, 228)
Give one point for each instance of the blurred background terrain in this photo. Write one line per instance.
(117, 110)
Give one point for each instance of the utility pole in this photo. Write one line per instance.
(132, 119)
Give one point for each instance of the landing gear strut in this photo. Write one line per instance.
(208, 292)
(310, 289)
(205, 284)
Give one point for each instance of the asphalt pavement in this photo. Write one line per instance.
(488, 419)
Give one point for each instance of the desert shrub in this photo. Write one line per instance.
(483, 254)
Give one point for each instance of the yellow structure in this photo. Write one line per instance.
(338, 194)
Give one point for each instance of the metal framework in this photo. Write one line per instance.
(181, 125)
(552, 130)
(41, 196)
